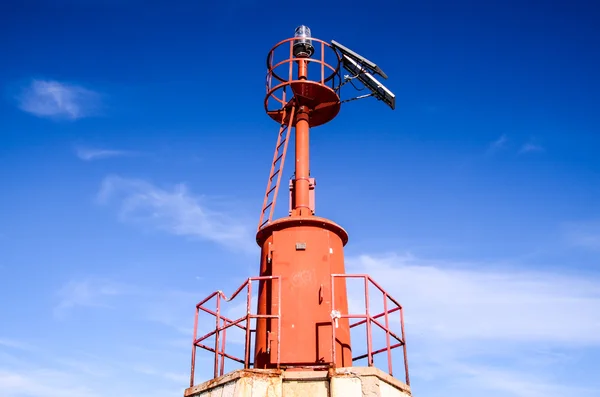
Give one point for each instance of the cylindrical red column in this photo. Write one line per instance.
(302, 70)
(302, 182)
(304, 251)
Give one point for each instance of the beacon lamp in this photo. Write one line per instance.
(303, 47)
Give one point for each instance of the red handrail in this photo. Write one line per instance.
(222, 323)
(368, 319)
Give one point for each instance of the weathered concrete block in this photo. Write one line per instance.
(304, 388)
(341, 382)
(346, 387)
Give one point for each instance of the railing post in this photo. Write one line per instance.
(387, 332)
(194, 347)
(368, 318)
(333, 353)
(248, 319)
(222, 355)
(322, 63)
(218, 322)
(291, 62)
(404, 346)
(279, 322)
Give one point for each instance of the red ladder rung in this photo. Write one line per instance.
(267, 206)
(282, 141)
(274, 175)
(281, 144)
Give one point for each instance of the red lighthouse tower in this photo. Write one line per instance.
(303, 249)
(302, 320)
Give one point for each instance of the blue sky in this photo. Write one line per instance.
(135, 153)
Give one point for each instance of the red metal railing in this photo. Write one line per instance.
(277, 64)
(223, 323)
(368, 319)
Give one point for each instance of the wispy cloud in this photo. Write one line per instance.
(88, 293)
(14, 344)
(531, 148)
(489, 380)
(584, 235)
(177, 378)
(163, 306)
(53, 99)
(476, 329)
(586, 240)
(457, 301)
(498, 144)
(176, 211)
(170, 308)
(41, 382)
(502, 143)
(54, 371)
(90, 154)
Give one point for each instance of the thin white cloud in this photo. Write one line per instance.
(586, 240)
(531, 148)
(584, 235)
(53, 99)
(498, 143)
(472, 331)
(15, 344)
(176, 211)
(453, 302)
(41, 382)
(90, 154)
(112, 356)
(54, 371)
(488, 380)
(170, 308)
(177, 378)
(88, 293)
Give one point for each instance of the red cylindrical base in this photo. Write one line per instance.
(304, 252)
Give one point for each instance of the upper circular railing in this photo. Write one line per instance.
(319, 90)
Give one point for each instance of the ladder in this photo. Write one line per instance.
(276, 167)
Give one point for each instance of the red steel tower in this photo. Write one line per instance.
(303, 249)
(302, 319)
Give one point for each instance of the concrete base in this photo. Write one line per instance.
(341, 382)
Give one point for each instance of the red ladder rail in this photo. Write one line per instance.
(276, 168)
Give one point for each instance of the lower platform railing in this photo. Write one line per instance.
(381, 319)
(222, 324)
(368, 319)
